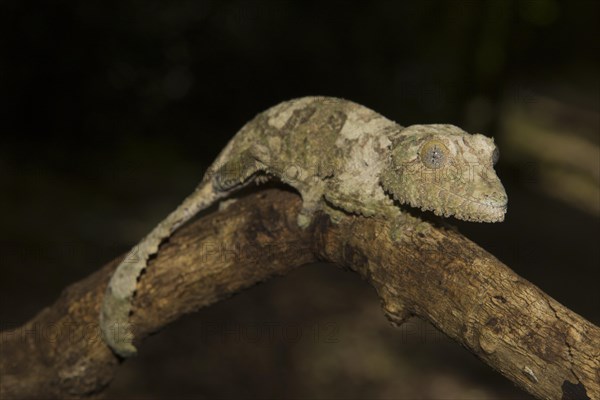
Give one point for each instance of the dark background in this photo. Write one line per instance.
(112, 110)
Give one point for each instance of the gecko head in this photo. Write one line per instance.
(446, 170)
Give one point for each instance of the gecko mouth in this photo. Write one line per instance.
(488, 209)
(470, 209)
(473, 212)
(449, 204)
(484, 214)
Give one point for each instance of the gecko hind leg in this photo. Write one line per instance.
(237, 171)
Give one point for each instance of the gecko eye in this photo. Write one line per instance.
(495, 156)
(434, 154)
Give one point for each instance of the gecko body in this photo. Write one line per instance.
(342, 158)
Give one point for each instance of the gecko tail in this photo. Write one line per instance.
(115, 328)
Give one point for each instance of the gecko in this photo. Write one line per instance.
(342, 158)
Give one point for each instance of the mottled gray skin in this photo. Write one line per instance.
(342, 158)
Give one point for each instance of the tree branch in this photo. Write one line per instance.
(434, 273)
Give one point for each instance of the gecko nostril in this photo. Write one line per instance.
(496, 199)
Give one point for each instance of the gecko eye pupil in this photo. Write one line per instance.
(434, 154)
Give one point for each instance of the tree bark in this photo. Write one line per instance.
(428, 271)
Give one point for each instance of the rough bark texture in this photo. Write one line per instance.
(433, 273)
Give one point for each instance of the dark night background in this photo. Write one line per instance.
(112, 110)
